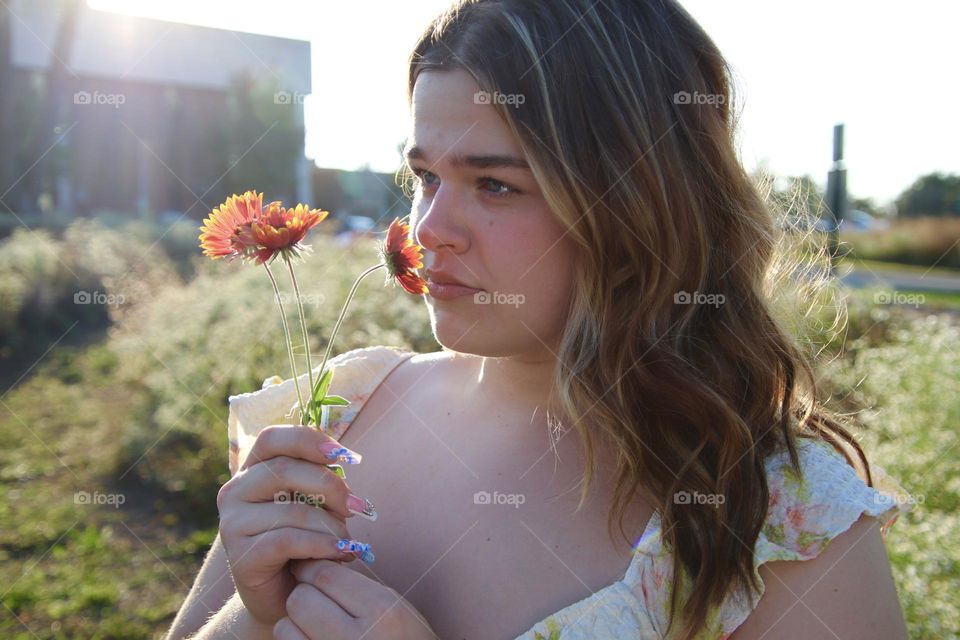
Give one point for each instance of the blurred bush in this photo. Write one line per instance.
(89, 275)
(907, 394)
(183, 352)
(920, 241)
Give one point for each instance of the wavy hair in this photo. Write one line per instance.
(676, 349)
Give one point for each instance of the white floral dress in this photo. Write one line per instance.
(804, 514)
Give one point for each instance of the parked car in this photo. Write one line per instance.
(355, 227)
(858, 221)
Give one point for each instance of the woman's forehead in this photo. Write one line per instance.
(449, 121)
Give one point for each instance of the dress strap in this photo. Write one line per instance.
(356, 375)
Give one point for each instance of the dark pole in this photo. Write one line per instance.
(836, 194)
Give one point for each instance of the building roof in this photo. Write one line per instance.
(111, 45)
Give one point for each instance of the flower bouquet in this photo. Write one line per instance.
(242, 227)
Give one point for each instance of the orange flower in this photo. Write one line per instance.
(280, 230)
(401, 255)
(227, 232)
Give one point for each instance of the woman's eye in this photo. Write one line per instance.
(496, 187)
(425, 177)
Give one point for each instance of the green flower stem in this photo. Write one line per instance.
(286, 333)
(343, 312)
(303, 328)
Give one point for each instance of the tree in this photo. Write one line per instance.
(264, 137)
(934, 194)
(56, 171)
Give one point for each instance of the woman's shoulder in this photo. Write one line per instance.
(806, 511)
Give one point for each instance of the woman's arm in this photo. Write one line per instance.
(845, 592)
(211, 590)
(234, 622)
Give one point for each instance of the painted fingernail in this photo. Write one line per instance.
(361, 507)
(336, 451)
(362, 549)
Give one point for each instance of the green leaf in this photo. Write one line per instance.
(338, 401)
(320, 391)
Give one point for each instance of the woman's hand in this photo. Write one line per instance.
(334, 602)
(263, 524)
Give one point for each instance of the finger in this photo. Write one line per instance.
(296, 441)
(353, 591)
(285, 629)
(277, 546)
(273, 479)
(253, 519)
(310, 608)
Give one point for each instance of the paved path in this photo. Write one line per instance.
(860, 277)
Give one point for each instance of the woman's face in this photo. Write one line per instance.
(481, 219)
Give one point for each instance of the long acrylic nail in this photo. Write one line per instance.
(338, 452)
(361, 507)
(362, 549)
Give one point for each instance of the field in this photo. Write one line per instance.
(115, 441)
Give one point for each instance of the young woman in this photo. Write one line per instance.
(600, 269)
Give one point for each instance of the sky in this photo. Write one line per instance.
(887, 70)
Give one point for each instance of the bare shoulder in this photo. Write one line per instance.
(424, 368)
(847, 591)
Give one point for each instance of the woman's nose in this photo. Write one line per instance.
(441, 226)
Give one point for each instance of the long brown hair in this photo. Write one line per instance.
(673, 349)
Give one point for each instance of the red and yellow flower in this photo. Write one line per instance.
(281, 230)
(401, 256)
(228, 232)
(242, 227)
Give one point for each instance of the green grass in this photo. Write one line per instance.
(881, 266)
(908, 390)
(935, 300)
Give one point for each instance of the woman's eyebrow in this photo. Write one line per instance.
(473, 161)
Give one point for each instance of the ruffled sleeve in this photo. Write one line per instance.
(356, 374)
(805, 514)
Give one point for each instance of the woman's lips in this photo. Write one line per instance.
(449, 291)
